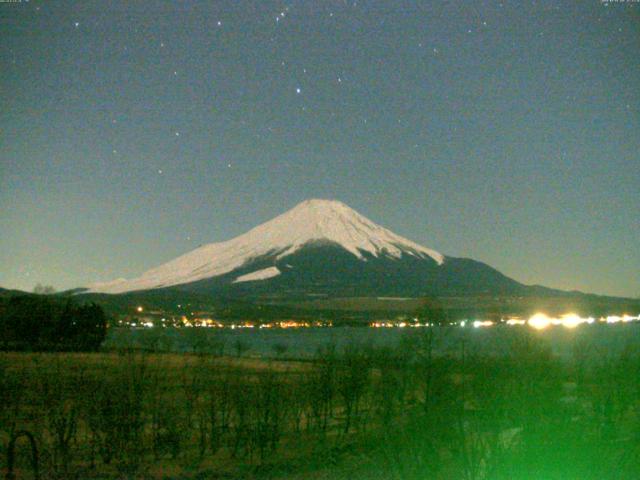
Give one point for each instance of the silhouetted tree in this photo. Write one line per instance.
(38, 323)
(432, 312)
(240, 347)
(43, 289)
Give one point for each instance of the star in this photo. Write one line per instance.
(219, 23)
(177, 134)
(298, 91)
(76, 24)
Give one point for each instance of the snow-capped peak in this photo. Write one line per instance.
(333, 221)
(310, 221)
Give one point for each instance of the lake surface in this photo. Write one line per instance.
(598, 339)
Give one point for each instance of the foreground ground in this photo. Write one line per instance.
(355, 412)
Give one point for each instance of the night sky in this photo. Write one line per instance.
(508, 132)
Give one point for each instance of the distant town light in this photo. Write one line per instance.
(571, 320)
(482, 323)
(515, 321)
(539, 321)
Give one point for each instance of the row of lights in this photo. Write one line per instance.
(540, 321)
(210, 323)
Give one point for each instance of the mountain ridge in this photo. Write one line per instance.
(320, 248)
(308, 222)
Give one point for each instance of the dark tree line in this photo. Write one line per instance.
(37, 323)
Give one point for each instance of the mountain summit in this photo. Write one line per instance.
(319, 247)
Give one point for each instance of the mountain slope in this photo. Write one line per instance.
(310, 223)
(326, 269)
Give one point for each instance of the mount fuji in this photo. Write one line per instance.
(323, 248)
